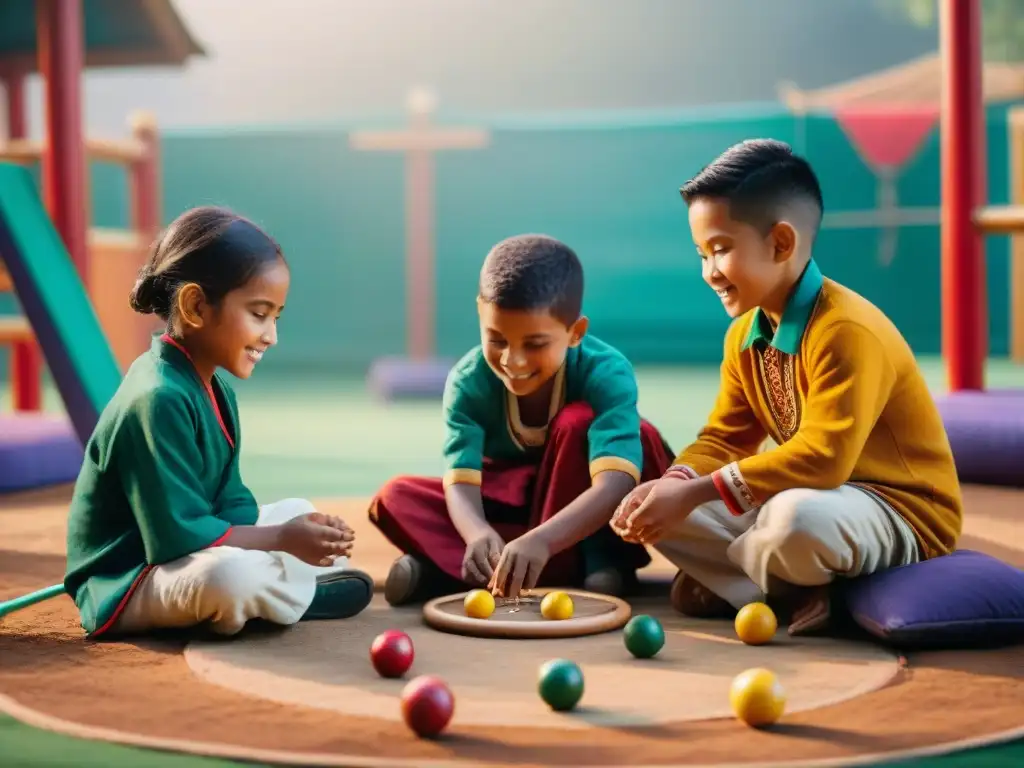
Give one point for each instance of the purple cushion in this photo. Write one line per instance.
(37, 450)
(962, 600)
(399, 378)
(986, 433)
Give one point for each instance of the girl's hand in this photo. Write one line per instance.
(316, 539)
(337, 522)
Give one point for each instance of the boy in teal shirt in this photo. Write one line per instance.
(542, 441)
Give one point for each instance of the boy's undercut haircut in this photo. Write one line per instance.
(764, 183)
(534, 273)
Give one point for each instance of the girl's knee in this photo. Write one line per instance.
(251, 584)
(280, 512)
(289, 508)
(233, 577)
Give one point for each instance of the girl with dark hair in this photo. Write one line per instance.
(162, 532)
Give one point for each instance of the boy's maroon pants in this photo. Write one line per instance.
(412, 513)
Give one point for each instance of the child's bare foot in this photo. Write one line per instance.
(693, 599)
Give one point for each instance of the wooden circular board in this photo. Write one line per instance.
(592, 615)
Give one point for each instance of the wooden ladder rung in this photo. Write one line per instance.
(1000, 219)
(14, 329)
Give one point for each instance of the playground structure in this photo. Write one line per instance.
(34, 449)
(59, 39)
(113, 256)
(1009, 220)
(986, 428)
(887, 116)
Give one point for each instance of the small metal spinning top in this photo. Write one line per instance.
(518, 602)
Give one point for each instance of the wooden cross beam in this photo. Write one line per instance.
(420, 140)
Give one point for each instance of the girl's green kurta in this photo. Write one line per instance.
(160, 480)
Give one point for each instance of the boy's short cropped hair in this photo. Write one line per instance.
(534, 273)
(763, 181)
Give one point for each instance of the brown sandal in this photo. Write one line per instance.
(810, 612)
(693, 599)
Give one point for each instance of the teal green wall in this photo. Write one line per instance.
(608, 185)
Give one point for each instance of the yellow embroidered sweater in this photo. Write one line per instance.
(838, 389)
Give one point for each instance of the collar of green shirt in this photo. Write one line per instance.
(168, 350)
(163, 348)
(795, 316)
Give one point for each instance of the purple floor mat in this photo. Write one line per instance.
(986, 431)
(37, 450)
(400, 378)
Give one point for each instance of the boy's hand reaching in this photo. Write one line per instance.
(520, 566)
(669, 502)
(626, 507)
(317, 538)
(482, 553)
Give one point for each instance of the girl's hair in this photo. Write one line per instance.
(212, 247)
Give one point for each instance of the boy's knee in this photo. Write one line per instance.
(394, 491)
(651, 432)
(395, 495)
(658, 454)
(795, 520)
(574, 418)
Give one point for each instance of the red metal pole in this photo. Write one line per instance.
(61, 40)
(26, 357)
(964, 309)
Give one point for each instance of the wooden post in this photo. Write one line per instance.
(1016, 118)
(964, 310)
(420, 141)
(26, 357)
(146, 213)
(146, 205)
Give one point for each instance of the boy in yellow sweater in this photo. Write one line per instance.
(862, 477)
